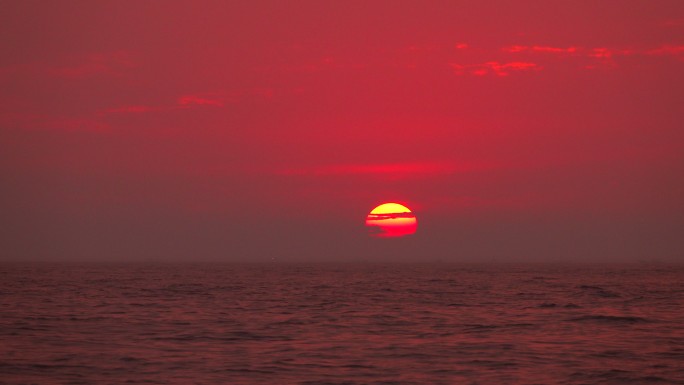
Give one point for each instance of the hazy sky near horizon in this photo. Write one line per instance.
(260, 130)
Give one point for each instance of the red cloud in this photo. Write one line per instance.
(554, 49)
(189, 100)
(537, 48)
(502, 69)
(495, 67)
(607, 53)
(601, 53)
(212, 99)
(516, 48)
(667, 50)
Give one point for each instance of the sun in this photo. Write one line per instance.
(391, 220)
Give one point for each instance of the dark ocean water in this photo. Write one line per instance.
(341, 324)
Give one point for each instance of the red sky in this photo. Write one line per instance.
(245, 131)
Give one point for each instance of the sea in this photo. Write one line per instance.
(341, 324)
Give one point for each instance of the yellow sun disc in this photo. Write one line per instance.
(391, 220)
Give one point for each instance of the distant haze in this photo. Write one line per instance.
(266, 131)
